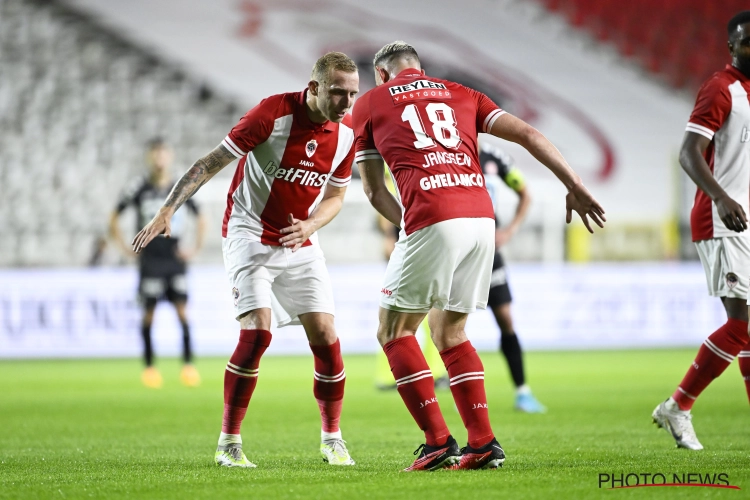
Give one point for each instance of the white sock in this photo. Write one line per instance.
(227, 439)
(523, 389)
(327, 436)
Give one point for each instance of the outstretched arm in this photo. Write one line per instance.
(694, 164)
(200, 173)
(373, 182)
(299, 231)
(579, 199)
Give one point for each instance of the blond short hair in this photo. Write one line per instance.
(392, 51)
(330, 62)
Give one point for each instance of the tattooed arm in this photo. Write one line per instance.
(199, 174)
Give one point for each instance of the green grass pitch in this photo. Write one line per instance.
(81, 429)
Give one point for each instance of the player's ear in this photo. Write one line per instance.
(312, 87)
(423, 73)
(383, 74)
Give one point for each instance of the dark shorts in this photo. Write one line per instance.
(161, 280)
(499, 289)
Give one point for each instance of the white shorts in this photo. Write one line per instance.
(289, 283)
(447, 266)
(726, 262)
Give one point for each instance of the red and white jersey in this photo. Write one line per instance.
(426, 131)
(286, 160)
(722, 114)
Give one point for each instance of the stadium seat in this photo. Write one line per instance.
(77, 105)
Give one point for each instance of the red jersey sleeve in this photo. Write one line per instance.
(364, 142)
(254, 128)
(487, 111)
(712, 107)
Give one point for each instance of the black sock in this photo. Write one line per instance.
(187, 352)
(511, 349)
(148, 351)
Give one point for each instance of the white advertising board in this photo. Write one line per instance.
(93, 312)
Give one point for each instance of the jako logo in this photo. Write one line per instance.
(745, 135)
(428, 402)
(386, 291)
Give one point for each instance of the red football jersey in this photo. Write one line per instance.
(722, 115)
(286, 162)
(426, 131)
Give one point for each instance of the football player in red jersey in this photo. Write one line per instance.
(426, 130)
(715, 155)
(291, 147)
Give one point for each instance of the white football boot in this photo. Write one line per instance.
(677, 422)
(335, 453)
(231, 455)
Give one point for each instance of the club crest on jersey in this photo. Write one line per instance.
(236, 295)
(310, 147)
(732, 280)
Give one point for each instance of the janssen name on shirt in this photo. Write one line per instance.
(441, 158)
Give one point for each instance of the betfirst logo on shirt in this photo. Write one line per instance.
(420, 89)
(304, 177)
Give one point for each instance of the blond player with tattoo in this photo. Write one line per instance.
(296, 153)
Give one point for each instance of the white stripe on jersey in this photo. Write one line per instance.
(251, 196)
(232, 147)
(339, 182)
(367, 154)
(344, 145)
(490, 120)
(699, 129)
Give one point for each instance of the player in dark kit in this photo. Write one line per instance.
(497, 167)
(163, 264)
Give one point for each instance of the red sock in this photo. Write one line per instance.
(416, 387)
(713, 357)
(328, 385)
(241, 376)
(744, 359)
(466, 374)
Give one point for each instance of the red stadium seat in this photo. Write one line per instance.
(684, 40)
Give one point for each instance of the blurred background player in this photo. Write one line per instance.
(497, 167)
(162, 266)
(715, 154)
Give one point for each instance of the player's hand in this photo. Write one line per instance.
(160, 224)
(731, 214)
(503, 236)
(296, 234)
(581, 201)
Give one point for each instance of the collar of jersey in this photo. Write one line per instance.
(409, 73)
(304, 121)
(737, 73)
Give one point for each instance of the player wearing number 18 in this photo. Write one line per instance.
(426, 131)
